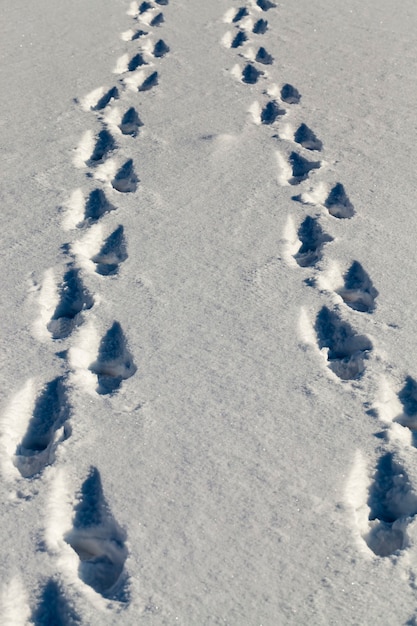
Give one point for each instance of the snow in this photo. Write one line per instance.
(209, 396)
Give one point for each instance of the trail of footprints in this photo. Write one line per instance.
(390, 503)
(46, 409)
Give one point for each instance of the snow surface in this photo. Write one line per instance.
(209, 396)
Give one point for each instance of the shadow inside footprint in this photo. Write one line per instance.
(53, 608)
(260, 27)
(112, 253)
(104, 145)
(160, 49)
(126, 180)
(130, 123)
(135, 62)
(301, 168)
(241, 13)
(98, 540)
(250, 74)
(338, 204)
(239, 40)
(358, 291)
(50, 414)
(114, 363)
(112, 94)
(391, 501)
(149, 82)
(158, 20)
(290, 94)
(265, 5)
(262, 56)
(270, 112)
(306, 138)
(96, 206)
(73, 299)
(313, 239)
(346, 350)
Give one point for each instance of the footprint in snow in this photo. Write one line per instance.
(262, 56)
(160, 49)
(290, 94)
(265, 5)
(408, 398)
(313, 239)
(271, 112)
(112, 94)
(157, 20)
(250, 74)
(241, 13)
(73, 299)
(239, 40)
(98, 540)
(260, 27)
(112, 253)
(130, 123)
(145, 6)
(306, 138)
(392, 502)
(125, 180)
(53, 607)
(138, 34)
(346, 350)
(46, 429)
(114, 362)
(96, 206)
(358, 291)
(301, 168)
(149, 82)
(338, 203)
(135, 62)
(162, 3)
(105, 144)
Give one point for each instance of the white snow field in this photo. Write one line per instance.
(209, 305)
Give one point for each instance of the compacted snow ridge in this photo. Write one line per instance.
(210, 401)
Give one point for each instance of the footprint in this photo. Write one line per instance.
(301, 168)
(46, 429)
(98, 540)
(408, 398)
(270, 112)
(392, 501)
(358, 291)
(135, 62)
(290, 94)
(130, 123)
(145, 6)
(265, 5)
(112, 94)
(114, 362)
(126, 180)
(149, 82)
(163, 3)
(96, 206)
(53, 608)
(112, 253)
(250, 74)
(157, 20)
(346, 350)
(306, 138)
(338, 204)
(241, 13)
(260, 27)
(138, 34)
(73, 299)
(239, 40)
(312, 240)
(104, 145)
(160, 49)
(262, 56)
